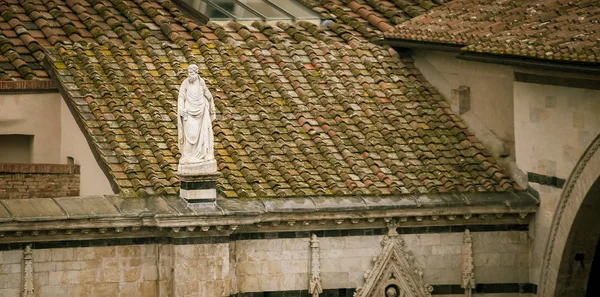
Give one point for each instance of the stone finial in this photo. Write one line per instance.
(314, 282)
(392, 226)
(27, 290)
(468, 273)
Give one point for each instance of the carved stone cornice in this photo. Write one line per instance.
(44, 219)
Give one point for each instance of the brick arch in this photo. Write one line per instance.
(568, 231)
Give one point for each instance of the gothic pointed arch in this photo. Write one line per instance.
(394, 273)
(580, 194)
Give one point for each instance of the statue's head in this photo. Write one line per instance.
(192, 73)
(192, 69)
(391, 292)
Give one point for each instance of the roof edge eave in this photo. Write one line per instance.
(420, 44)
(132, 216)
(530, 62)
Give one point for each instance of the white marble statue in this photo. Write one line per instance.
(196, 111)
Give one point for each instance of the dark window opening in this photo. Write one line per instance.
(246, 10)
(16, 148)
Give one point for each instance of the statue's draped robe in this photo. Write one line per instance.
(195, 132)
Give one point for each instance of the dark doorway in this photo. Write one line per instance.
(593, 286)
(575, 274)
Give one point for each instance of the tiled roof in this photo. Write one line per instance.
(302, 110)
(561, 30)
(371, 17)
(20, 49)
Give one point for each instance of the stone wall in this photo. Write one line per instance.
(75, 145)
(56, 136)
(10, 273)
(554, 125)
(18, 181)
(282, 264)
(201, 270)
(96, 271)
(491, 95)
(207, 267)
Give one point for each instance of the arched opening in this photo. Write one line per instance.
(579, 254)
(593, 286)
(571, 263)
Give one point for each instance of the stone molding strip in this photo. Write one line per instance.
(95, 215)
(552, 80)
(39, 168)
(546, 180)
(168, 237)
(455, 289)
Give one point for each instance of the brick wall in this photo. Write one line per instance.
(18, 181)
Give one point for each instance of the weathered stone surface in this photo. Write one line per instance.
(4, 214)
(338, 203)
(151, 206)
(87, 207)
(288, 205)
(34, 209)
(170, 207)
(258, 265)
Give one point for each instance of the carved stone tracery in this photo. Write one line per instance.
(27, 290)
(394, 273)
(468, 274)
(314, 282)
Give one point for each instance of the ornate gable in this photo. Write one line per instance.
(394, 273)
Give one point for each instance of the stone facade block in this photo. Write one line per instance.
(52, 291)
(9, 292)
(201, 270)
(9, 257)
(64, 254)
(10, 281)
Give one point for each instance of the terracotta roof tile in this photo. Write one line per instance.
(303, 110)
(370, 17)
(540, 29)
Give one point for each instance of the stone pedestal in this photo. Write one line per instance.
(198, 182)
(196, 169)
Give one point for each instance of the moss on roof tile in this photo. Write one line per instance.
(547, 30)
(303, 110)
